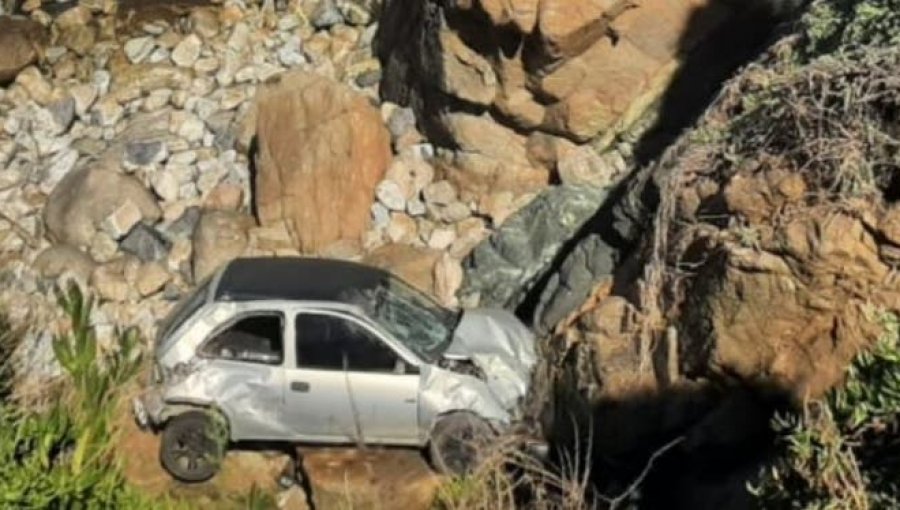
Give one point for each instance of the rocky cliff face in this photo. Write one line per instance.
(511, 89)
(771, 265)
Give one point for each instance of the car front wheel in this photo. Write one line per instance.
(190, 449)
(459, 443)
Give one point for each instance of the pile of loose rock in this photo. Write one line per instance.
(126, 147)
(138, 154)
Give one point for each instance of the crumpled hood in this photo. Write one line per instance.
(501, 346)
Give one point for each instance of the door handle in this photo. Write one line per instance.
(300, 386)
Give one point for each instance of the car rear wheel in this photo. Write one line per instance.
(190, 449)
(459, 443)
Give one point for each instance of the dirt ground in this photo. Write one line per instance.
(339, 478)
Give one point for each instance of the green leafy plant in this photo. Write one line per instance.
(61, 458)
(844, 452)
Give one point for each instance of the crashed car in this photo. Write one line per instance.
(329, 352)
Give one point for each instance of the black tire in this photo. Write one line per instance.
(459, 442)
(189, 450)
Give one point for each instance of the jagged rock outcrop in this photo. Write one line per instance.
(526, 74)
(769, 267)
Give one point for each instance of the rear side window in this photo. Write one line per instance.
(251, 339)
(334, 343)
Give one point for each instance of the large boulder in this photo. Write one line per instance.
(504, 268)
(20, 40)
(85, 200)
(322, 150)
(60, 259)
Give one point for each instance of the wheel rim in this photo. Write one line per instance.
(191, 452)
(459, 451)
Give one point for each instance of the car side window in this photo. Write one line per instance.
(252, 339)
(335, 343)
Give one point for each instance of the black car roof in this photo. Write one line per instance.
(298, 279)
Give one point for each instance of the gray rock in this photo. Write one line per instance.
(415, 207)
(381, 216)
(355, 12)
(34, 358)
(171, 292)
(159, 56)
(183, 227)
(139, 48)
(221, 126)
(291, 54)
(390, 194)
(368, 78)
(145, 243)
(142, 153)
(401, 121)
(191, 129)
(165, 185)
(572, 283)
(326, 15)
(102, 79)
(63, 112)
(59, 166)
(239, 38)
(187, 51)
(610, 239)
(86, 197)
(155, 28)
(288, 22)
(84, 96)
(502, 270)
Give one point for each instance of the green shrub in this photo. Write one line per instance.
(844, 452)
(835, 25)
(61, 457)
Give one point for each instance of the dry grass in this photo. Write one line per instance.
(511, 478)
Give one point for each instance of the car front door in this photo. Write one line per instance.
(348, 384)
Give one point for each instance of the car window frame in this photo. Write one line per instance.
(413, 365)
(234, 319)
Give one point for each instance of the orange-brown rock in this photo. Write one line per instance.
(490, 158)
(577, 68)
(322, 150)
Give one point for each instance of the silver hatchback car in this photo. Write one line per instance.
(330, 352)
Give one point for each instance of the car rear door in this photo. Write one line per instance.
(348, 385)
(242, 374)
